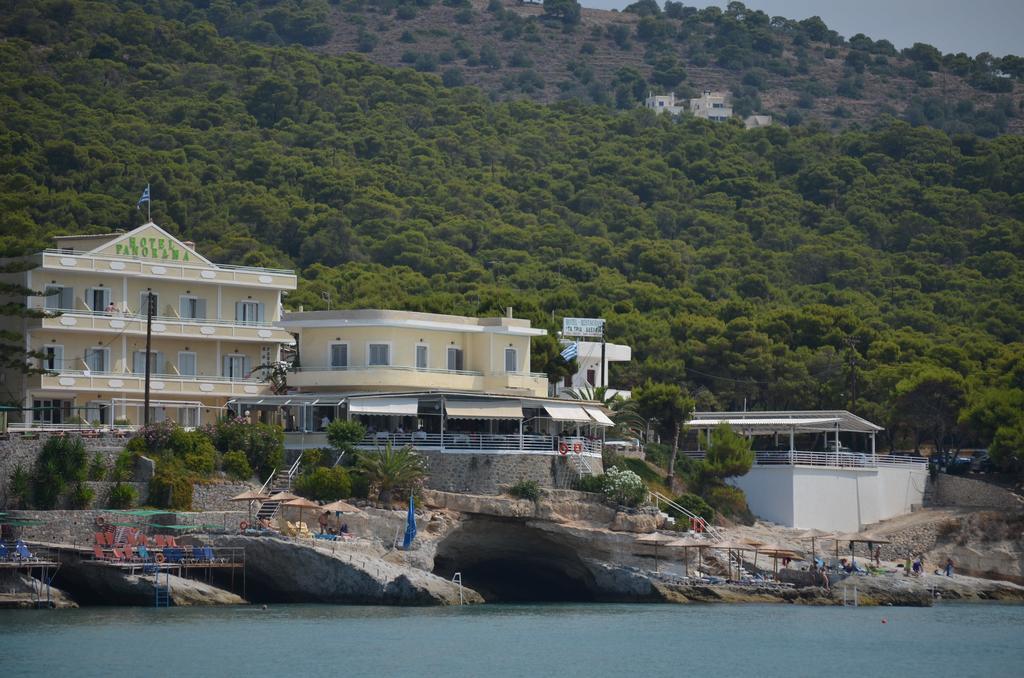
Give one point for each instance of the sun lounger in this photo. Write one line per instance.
(118, 553)
(129, 552)
(144, 553)
(98, 554)
(160, 541)
(171, 541)
(4, 553)
(22, 551)
(100, 538)
(108, 538)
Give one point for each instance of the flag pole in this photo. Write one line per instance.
(149, 206)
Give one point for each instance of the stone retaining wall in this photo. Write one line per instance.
(16, 450)
(486, 473)
(215, 496)
(78, 527)
(969, 493)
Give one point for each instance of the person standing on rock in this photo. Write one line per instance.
(949, 567)
(878, 556)
(323, 522)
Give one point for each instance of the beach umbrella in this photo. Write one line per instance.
(250, 496)
(302, 504)
(656, 539)
(686, 545)
(283, 497)
(410, 525)
(814, 535)
(340, 507)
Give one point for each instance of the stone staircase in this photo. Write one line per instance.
(278, 482)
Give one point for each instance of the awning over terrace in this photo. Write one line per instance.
(483, 409)
(392, 406)
(771, 422)
(599, 416)
(567, 412)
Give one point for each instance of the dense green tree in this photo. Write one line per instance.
(666, 407)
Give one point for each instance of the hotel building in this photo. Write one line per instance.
(214, 326)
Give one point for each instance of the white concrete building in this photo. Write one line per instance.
(811, 478)
(711, 106)
(664, 103)
(588, 358)
(757, 121)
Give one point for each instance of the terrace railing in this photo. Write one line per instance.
(830, 459)
(484, 442)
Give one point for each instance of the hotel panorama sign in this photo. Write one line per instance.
(152, 248)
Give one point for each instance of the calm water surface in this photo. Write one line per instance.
(516, 640)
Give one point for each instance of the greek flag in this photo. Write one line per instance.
(144, 198)
(570, 351)
(410, 526)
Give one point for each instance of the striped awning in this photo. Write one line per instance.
(483, 409)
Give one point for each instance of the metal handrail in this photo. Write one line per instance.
(411, 368)
(832, 459)
(484, 442)
(710, 529)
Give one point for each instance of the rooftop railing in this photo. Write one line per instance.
(141, 317)
(411, 368)
(162, 262)
(831, 459)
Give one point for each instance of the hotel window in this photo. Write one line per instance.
(379, 355)
(59, 297)
(186, 363)
(248, 312)
(421, 357)
(156, 362)
(339, 356)
(97, 359)
(454, 359)
(188, 417)
(53, 357)
(236, 367)
(592, 377)
(143, 296)
(97, 412)
(510, 360)
(98, 298)
(192, 308)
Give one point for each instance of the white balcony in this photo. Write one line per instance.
(178, 328)
(404, 377)
(248, 276)
(160, 385)
(841, 459)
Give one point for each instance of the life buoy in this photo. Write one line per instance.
(159, 558)
(99, 520)
(577, 447)
(244, 525)
(563, 448)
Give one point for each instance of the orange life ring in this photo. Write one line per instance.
(159, 558)
(577, 447)
(99, 520)
(244, 525)
(563, 448)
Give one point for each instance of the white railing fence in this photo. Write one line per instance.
(831, 459)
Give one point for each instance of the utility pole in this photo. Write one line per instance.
(150, 304)
(604, 382)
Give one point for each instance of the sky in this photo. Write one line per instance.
(994, 26)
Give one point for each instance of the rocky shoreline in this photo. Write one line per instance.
(566, 546)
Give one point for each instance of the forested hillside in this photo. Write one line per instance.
(878, 269)
(797, 71)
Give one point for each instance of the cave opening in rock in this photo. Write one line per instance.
(508, 561)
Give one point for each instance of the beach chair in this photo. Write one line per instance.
(118, 553)
(100, 538)
(97, 552)
(171, 541)
(4, 553)
(160, 541)
(22, 551)
(174, 554)
(129, 552)
(144, 553)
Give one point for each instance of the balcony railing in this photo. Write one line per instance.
(141, 317)
(831, 459)
(468, 443)
(161, 262)
(411, 368)
(153, 376)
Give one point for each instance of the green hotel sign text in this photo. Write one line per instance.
(152, 248)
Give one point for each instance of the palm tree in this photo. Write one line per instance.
(390, 469)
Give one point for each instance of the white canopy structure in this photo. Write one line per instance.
(791, 423)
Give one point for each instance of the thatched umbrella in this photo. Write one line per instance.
(656, 539)
(729, 547)
(302, 504)
(814, 535)
(686, 545)
(250, 496)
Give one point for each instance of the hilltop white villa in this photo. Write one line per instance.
(711, 106)
(214, 324)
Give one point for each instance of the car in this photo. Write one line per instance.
(983, 464)
(959, 466)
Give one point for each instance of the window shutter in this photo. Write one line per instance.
(158, 367)
(201, 308)
(246, 368)
(238, 312)
(183, 309)
(226, 366)
(259, 313)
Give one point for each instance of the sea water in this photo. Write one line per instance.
(494, 641)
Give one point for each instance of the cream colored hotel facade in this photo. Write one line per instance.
(214, 326)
